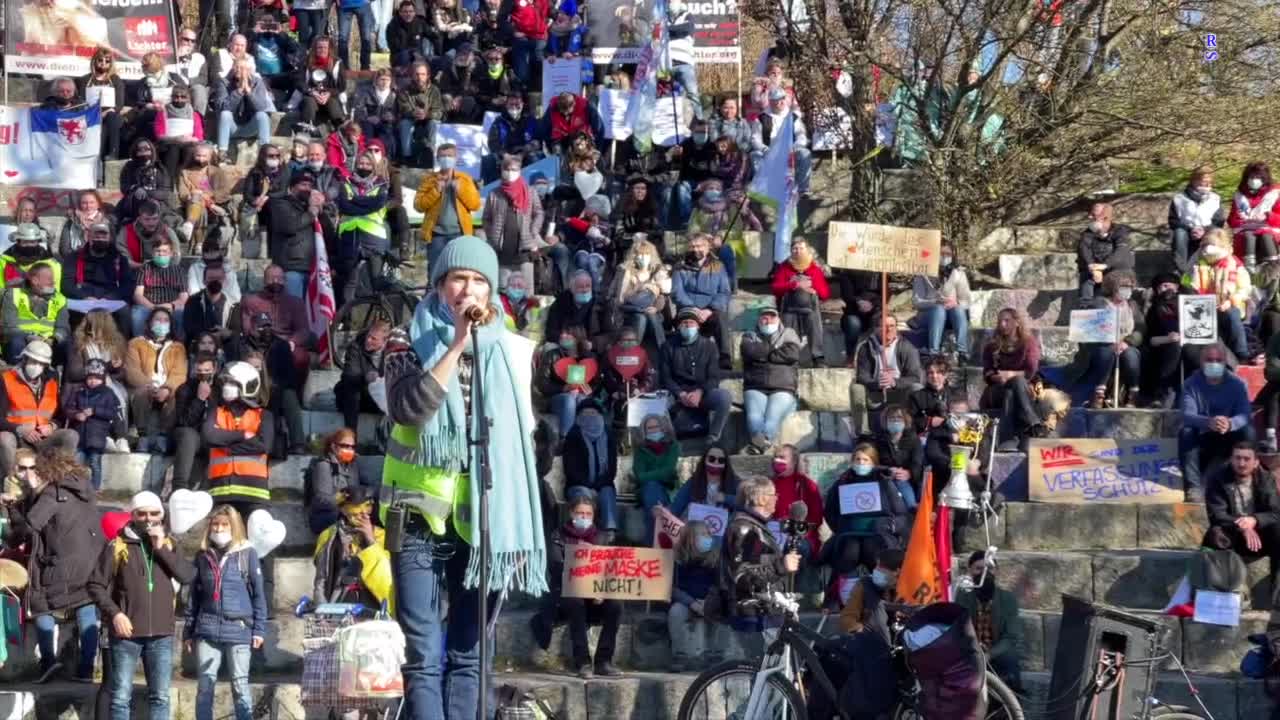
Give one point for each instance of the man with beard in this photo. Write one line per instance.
(1162, 350)
(994, 611)
(137, 241)
(99, 272)
(702, 284)
(460, 84)
(292, 238)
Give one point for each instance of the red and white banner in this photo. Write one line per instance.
(58, 37)
(321, 304)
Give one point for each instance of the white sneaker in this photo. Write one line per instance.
(186, 229)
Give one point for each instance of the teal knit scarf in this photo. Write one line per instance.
(517, 550)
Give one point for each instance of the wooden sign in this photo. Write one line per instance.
(883, 248)
(1086, 471)
(618, 573)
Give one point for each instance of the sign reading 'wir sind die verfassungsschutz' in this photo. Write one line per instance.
(1104, 470)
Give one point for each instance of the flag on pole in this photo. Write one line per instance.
(644, 87)
(775, 185)
(919, 582)
(321, 305)
(942, 542)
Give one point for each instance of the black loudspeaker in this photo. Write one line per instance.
(1094, 635)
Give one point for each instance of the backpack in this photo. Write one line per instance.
(515, 704)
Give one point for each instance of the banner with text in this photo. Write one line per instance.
(50, 148)
(1083, 471)
(612, 105)
(618, 573)
(560, 75)
(883, 248)
(618, 32)
(57, 37)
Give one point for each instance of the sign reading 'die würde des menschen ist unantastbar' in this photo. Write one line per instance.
(883, 248)
(1103, 470)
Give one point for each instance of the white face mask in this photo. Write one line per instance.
(230, 392)
(32, 370)
(1255, 183)
(510, 175)
(220, 539)
(273, 163)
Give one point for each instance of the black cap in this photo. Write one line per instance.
(1165, 277)
(301, 177)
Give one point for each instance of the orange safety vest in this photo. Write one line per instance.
(222, 463)
(24, 409)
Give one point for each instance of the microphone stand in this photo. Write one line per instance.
(484, 475)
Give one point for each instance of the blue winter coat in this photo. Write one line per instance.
(234, 612)
(704, 287)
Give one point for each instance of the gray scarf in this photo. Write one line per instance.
(181, 113)
(597, 443)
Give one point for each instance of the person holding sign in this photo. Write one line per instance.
(579, 532)
(1162, 349)
(152, 93)
(178, 129)
(752, 562)
(886, 371)
(1215, 416)
(1243, 507)
(104, 88)
(696, 642)
(1215, 271)
(1096, 363)
(865, 510)
(794, 486)
(714, 483)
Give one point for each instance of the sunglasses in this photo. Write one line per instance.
(273, 156)
(347, 446)
(715, 460)
(25, 468)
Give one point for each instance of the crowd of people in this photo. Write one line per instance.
(638, 245)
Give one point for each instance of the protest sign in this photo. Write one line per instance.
(1198, 319)
(179, 127)
(1094, 326)
(617, 573)
(1085, 471)
(883, 248)
(59, 38)
(104, 96)
(1217, 608)
(666, 529)
(642, 406)
(716, 518)
(670, 122)
(612, 105)
(617, 32)
(560, 76)
(859, 498)
(50, 148)
(472, 145)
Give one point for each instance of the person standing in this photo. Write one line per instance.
(446, 198)
(432, 379)
(994, 611)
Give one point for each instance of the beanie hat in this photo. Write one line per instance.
(146, 500)
(467, 252)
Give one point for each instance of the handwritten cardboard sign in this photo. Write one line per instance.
(1094, 326)
(883, 248)
(716, 518)
(1083, 471)
(618, 573)
(1198, 319)
(670, 122)
(666, 529)
(560, 76)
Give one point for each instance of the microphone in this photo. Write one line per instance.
(479, 315)
(794, 527)
(798, 512)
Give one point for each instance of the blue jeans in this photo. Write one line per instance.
(766, 411)
(565, 408)
(804, 168)
(851, 326)
(443, 617)
(683, 209)
(157, 664)
(526, 54)
(939, 317)
(1182, 249)
(295, 283)
(606, 499)
(1202, 452)
(652, 495)
(227, 128)
(644, 322)
(562, 257)
(311, 24)
(908, 496)
(138, 317)
(593, 263)
(92, 458)
(381, 16)
(1231, 330)
(426, 136)
(364, 16)
(87, 627)
(209, 658)
(435, 248)
(687, 76)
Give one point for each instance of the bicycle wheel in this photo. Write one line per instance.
(353, 319)
(1002, 701)
(1176, 716)
(722, 692)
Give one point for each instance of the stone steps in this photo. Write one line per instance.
(1046, 271)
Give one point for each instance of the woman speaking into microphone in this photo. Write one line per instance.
(458, 358)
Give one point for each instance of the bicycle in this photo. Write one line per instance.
(775, 690)
(377, 297)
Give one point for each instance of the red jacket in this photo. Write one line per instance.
(784, 281)
(579, 120)
(531, 17)
(1268, 197)
(337, 156)
(795, 487)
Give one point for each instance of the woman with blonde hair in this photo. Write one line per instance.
(104, 88)
(333, 471)
(98, 337)
(1214, 270)
(1010, 362)
(227, 614)
(694, 639)
(642, 290)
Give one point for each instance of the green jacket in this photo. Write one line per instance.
(1008, 627)
(660, 469)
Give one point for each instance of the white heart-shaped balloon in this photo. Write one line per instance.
(265, 532)
(186, 508)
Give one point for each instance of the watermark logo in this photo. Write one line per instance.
(1210, 47)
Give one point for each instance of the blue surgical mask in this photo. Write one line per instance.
(768, 329)
(1214, 370)
(516, 294)
(704, 543)
(583, 524)
(448, 162)
(655, 437)
(160, 329)
(689, 334)
(712, 196)
(861, 469)
(880, 578)
(582, 298)
(592, 425)
(895, 426)
(568, 343)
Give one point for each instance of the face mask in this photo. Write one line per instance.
(346, 455)
(1214, 370)
(861, 469)
(780, 467)
(768, 329)
(1213, 252)
(1255, 183)
(220, 539)
(704, 543)
(880, 578)
(510, 175)
(1096, 227)
(46, 291)
(944, 260)
(213, 286)
(99, 246)
(592, 425)
(700, 139)
(316, 167)
(568, 343)
(516, 294)
(642, 261)
(33, 370)
(1204, 189)
(712, 196)
(582, 298)
(655, 437)
(363, 172)
(272, 163)
(160, 330)
(161, 260)
(1124, 293)
(895, 427)
(582, 524)
(447, 162)
(230, 392)
(689, 334)
(514, 113)
(1168, 296)
(178, 103)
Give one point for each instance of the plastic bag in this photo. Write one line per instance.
(369, 658)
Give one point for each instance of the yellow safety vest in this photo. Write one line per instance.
(437, 494)
(28, 321)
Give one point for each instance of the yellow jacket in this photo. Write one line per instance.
(1226, 278)
(375, 565)
(429, 199)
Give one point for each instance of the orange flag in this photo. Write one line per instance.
(919, 583)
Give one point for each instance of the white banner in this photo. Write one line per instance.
(50, 148)
(670, 122)
(612, 105)
(472, 143)
(560, 75)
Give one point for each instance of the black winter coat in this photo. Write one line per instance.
(927, 403)
(189, 407)
(595, 316)
(121, 586)
(1224, 504)
(695, 366)
(770, 364)
(906, 453)
(65, 536)
(293, 236)
(574, 457)
(750, 562)
(1113, 251)
(95, 430)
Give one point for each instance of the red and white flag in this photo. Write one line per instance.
(321, 305)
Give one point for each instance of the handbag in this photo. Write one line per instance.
(369, 658)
